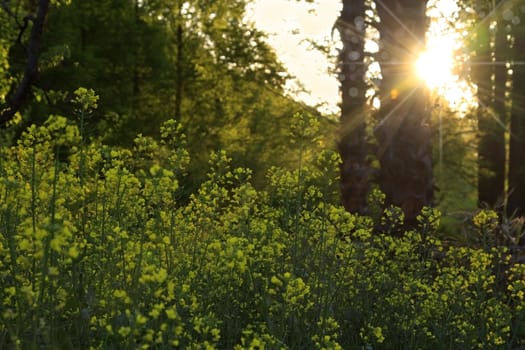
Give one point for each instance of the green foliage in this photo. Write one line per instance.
(7, 35)
(200, 62)
(456, 168)
(97, 252)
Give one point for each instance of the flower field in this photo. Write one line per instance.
(98, 251)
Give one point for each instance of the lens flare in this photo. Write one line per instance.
(435, 66)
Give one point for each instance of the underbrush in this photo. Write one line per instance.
(97, 252)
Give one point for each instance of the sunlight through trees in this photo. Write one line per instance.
(160, 188)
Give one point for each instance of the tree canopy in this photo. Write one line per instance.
(199, 62)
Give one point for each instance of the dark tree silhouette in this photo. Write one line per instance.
(403, 131)
(352, 143)
(516, 200)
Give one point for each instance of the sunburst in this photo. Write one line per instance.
(437, 64)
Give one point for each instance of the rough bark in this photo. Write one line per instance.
(516, 200)
(31, 68)
(403, 131)
(352, 143)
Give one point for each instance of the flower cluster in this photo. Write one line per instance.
(97, 251)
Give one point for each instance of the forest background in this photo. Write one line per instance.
(162, 188)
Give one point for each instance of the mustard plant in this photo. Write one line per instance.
(98, 251)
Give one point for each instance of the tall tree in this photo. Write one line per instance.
(352, 143)
(490, 75)
(516, 200)
(403, 130)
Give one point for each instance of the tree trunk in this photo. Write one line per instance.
(516, 201)
(403, 130)
(31, 69)
(352, 143)
(491, 119)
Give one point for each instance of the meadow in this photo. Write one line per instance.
(99, 249)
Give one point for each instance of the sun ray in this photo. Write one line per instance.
(437, 64)
(397, 123)
(399, 21)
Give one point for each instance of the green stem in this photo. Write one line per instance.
(33, 216)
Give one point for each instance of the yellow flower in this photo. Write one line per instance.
(155, 170)
(86, 98)
(161, 275)
(276, 281)
(9, 314)
(141, 319)
(296, 290)
(171, 313)
(122, 295)
(73, 252)
(24, 244)
(256, 344)
(56, 243)
(378, 333)
(486, 219)
(124, 331)
(148, 337)
(216, 334)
